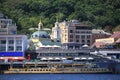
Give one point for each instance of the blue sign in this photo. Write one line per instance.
(11, 54)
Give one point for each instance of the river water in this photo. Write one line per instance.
(60, 77)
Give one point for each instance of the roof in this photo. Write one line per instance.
(41, 34)
(118, 41)
(47, 41)
(115, 35)
(98, 31)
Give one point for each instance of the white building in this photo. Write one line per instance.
(56, 32)
(12, 46)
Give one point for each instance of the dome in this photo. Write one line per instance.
(41, 34)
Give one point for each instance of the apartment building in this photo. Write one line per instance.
(75, 34)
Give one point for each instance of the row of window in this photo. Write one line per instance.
(6, 21)
(82, 36)
(10, 41)
(83, 41)
(10, 48)
(71, 31)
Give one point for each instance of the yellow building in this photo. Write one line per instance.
(75, 34)
(106, 40)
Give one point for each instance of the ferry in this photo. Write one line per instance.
(56, 70)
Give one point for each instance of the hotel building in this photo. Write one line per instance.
(74, 34)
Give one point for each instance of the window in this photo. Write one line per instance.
(3, 41)
(71, 36)
(71, 40)
(83, 40)
(2, 48)
(18, 41)
(10, 48)
(11, 41)
(77, 36)
(71, 31)
(88, 41)
(88, 37)
(82, 36)
(77, 40)
(19, 48)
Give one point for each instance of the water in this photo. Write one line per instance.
(60, 77)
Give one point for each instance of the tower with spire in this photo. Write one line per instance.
(56, 31)
(40, 25)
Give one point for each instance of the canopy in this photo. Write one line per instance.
(83, 58)
(76, 58)
(63, 58)
(57, 58)
(50, 58)
(90, 58)
(43, 58)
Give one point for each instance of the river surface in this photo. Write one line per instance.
(60, 77)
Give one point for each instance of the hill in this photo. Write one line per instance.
(103, 14)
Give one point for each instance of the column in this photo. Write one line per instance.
(14, 44)
(6, 44)
(22, 39)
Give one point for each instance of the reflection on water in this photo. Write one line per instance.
(60, 77)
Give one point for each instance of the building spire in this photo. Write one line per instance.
(40, 25)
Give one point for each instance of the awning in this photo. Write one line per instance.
(50, 58)
(63, 58)
(90, 58)
(83, 58)
(43, 58)
(57, 58)
(12, 58)
(1, 58)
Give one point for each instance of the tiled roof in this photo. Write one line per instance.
(116, 35)
(98, 31)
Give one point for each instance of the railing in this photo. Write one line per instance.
(62, 51)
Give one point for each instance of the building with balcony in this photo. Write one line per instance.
(75, 34)
(12, 46)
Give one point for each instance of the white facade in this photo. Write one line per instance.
(56, 32)
(13, 43)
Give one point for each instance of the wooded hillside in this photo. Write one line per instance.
(103, 14)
